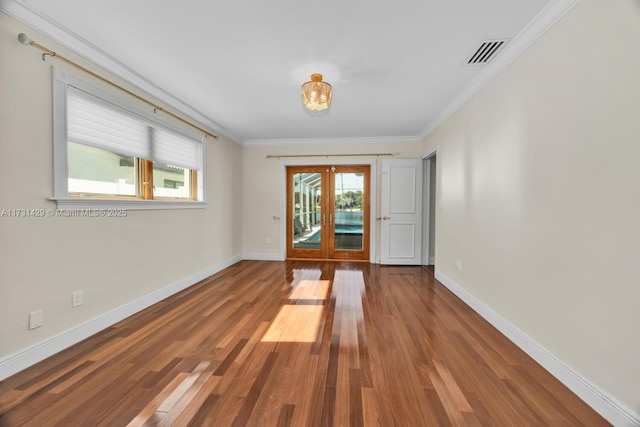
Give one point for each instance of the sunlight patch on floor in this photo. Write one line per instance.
(311, 289)
(295, 323)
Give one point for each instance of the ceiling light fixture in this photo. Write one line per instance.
(316, 94)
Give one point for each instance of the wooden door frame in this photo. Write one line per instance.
(322, 252)
(366, 231)
(329, 217)
(371, 161)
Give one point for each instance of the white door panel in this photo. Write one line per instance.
(402, 185)
(401, 240)
(401, 212)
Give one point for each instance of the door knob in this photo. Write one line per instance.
(384, 218)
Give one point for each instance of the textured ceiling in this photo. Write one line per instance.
(394, 66)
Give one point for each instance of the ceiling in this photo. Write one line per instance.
(237, 65)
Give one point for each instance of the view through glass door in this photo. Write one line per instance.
(328, 212)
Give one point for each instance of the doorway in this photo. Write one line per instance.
(328, 212)
(429, 210)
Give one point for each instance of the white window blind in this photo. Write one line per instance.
(92, 121)
(173, 149)
(95, 122)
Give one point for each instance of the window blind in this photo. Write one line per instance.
(95, 122)
(174, 149)
(92, 121)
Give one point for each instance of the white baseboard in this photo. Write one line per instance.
(22, 359)
(262, 257)
(612, 410)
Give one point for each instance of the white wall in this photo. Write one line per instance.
(262, 191)
(114, 261)
(539, 195)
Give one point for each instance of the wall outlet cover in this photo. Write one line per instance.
(36, 319)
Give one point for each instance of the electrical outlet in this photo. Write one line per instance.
(268, 240)
(36, 319)
(459, 265)
(76, 298)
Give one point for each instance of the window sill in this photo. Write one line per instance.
(134, 205)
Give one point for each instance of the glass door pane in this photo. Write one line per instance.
(306, 210)
(348, 212)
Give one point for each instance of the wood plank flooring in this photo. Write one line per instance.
(296, 344)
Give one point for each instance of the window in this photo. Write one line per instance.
(109, 152)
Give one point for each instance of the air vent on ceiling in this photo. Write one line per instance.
(487, 50)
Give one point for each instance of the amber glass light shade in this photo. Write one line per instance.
(316, 94)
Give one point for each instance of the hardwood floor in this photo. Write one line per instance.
(296, 344)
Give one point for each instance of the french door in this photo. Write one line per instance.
(328, 212)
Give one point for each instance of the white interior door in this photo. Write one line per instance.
(401, 212)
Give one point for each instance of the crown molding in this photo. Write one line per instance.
(18, 10)
(547, 17)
